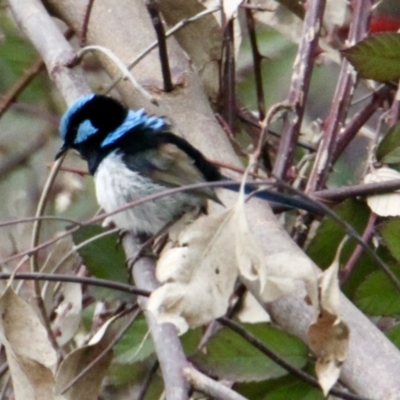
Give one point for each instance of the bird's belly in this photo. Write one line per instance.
(117, 186)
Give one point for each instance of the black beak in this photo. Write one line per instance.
(63, 149)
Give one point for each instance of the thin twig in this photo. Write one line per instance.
(104, 283)
(43, 218)
(365, 189)
(20, 85)
(147, 380)
(280, 361)
(216, 390)
(257, 59)
(153, 9)
(250, 119)
(34, 241)
(85, 24)
(366, 237)
(359, 120)
(227, 93)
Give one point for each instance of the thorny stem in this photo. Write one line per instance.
(341, 101)
(299, 86)
(358, 121)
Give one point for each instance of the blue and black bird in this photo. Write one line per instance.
(133, 155)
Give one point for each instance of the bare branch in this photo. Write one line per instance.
(167, 345)
(216, 390)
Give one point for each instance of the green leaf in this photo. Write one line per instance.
(394, 335)
(323, 246)
(229, 356)
(389, 148)
(103, 258)
(376, 57)
(287, 387)
(136, 344)
(390, 232)
(378, 296)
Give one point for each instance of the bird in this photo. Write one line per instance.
(133, 155)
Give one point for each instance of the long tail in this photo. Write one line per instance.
(283, 199)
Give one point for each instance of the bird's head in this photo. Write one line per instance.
(95, 123)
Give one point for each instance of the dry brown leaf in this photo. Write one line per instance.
(88, 386)
(30, 357)
(329, 335)
(328, 339)
(388, 204)
(198, 276)
(68, 313)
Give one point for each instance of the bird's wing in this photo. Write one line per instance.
(170, 166)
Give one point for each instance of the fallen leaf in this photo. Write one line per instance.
(329, 335)
(251, 311)
(198, 276)
(30, 356)
(88, 386)
(388, 204)
(68, 313)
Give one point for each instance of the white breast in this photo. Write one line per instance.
(116, 186)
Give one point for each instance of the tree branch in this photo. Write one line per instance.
(167, 345)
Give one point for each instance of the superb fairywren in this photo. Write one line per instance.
(133, 155)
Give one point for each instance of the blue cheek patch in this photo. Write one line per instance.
(134, 119)
(85, 130)
(66, 118)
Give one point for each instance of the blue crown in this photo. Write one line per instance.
(134, 119)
